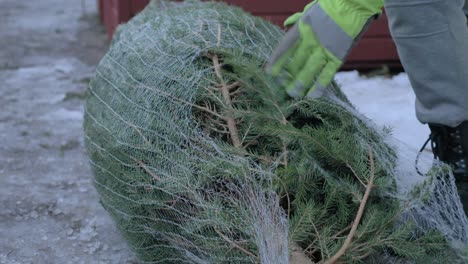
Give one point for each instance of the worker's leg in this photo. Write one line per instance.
(432, 40)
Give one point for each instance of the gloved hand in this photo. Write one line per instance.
(311, 53)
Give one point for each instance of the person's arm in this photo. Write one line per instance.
(313, 50)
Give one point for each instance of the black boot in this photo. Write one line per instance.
(450, 145)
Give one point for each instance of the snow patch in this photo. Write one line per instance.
(387, 102)
(63, 114)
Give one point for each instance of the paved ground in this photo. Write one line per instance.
(49, 210)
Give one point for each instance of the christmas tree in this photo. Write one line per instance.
(201, 157)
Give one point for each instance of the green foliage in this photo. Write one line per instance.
(199, 155)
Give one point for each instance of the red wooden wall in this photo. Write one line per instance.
(376, 48)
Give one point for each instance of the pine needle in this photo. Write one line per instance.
(359, 214)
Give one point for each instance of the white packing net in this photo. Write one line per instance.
(200, 159)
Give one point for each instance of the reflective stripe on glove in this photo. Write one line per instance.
(313, 50)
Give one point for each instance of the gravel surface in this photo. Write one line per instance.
(49, 210)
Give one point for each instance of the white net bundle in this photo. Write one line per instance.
(199, 157)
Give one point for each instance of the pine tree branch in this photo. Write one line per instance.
(231, 121)
(232, 85)
(211, 92)
(288, 198)
(214, 129)
(219, 35)
(335, 236)
(145, 168)
(285, 153)
(252, 142)
(246, 133)
(205, 109)
(225, 91)
(175, 98)
(355, 174)
(359, 214)
(235, 245)
(284, 122)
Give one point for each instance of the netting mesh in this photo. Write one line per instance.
(201, 159)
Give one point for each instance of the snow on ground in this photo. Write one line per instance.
(388, 102)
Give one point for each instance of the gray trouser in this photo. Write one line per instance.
(432, 41)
